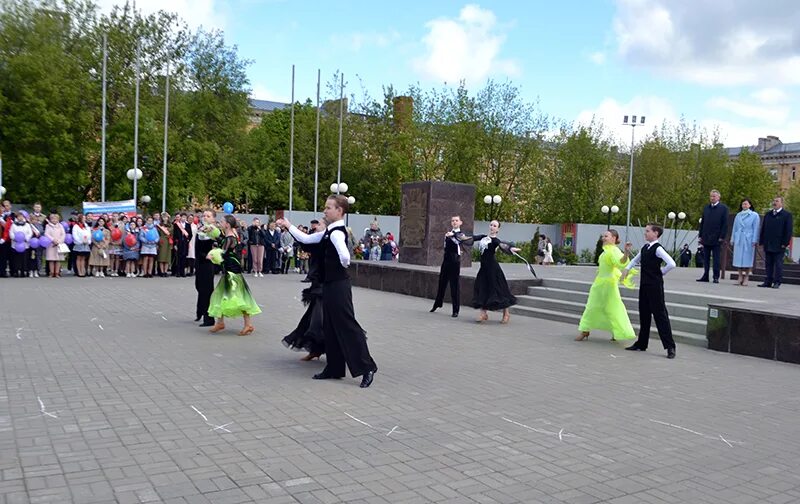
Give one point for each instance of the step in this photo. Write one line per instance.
(694, 325)
(755, 278)
(631, 301)
(575, 318)
(687, 298)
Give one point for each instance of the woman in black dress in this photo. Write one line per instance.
(491, 287)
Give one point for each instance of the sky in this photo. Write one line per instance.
(731, 65)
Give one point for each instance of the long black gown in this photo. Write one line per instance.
(491, 288)
(309, 335)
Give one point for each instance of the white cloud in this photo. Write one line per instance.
(598, 58)
(609, 114)
(358, 40)
(770, 96)
(206, 13)
(712, 43)
(770, 114)
(262, 92)
(467, 48)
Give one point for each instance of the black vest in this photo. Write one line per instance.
(651, 265)
(451, 250)
(332, 269)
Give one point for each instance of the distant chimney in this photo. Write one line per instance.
(765, 144)
(403, 111)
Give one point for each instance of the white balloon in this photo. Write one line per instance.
(487, 199)
(604, 209)
(497, 199)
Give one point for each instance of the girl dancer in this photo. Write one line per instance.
(491, 287)
(605, 309)
(232, 296)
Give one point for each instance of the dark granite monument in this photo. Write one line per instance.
(425, 218)
(770, 332)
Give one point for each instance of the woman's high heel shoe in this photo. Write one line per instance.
(506, 317)
(483, 317)
(582, 336)
(247, 330)
(217, 328)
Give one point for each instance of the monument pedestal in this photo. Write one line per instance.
(425, 218)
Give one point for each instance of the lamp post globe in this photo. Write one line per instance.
(671, 215)
(681, 215)
(2, 191)
(487, 199)
(496, 199)
(146, 199)
(605, 209)
(134, 174)
(343, 187)
(614, 209)
(334, 186)
(351, 200)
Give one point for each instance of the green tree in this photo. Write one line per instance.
(749, 179)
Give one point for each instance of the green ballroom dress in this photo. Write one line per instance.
(231, 297)
(604, 310)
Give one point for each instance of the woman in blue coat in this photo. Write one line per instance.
(745, 239)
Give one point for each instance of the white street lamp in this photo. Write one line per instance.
(609, 211)
(351, 200)
(492, 201)
(131, 174)
(487, 199)
(339, 188)
(146, 199)
(2, 191)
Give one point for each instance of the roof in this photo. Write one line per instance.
(781, 148)
(266, 105)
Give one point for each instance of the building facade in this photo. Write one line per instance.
(782, 160)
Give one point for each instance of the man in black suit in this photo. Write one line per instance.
(204, 269)
(713, 231)
(272, 239)
(776, 233)
(181, 235)
(451, 266)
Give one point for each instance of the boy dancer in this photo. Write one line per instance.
(451, 266)
(651, 291)
(345, 340)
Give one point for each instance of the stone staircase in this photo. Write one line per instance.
(791, 274)
(564, 301)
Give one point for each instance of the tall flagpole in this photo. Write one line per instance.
(166, 134)
(316, 151)
(291, 151)
(136, 133)
(103, 135)
(341, 118)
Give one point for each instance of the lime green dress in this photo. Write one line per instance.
(231, 297)
(604, 310)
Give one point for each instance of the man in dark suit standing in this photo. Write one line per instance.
(181, 235)
(451, 266)
(204, 269)
(713, 231)
(776, 233)
(272, 239)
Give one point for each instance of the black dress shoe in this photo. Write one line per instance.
(776, 285)
(716, 280)
(635, 347)
(455, 315)
(702, 279)
(670, 353)
(325, 376)
(434, 309)
(198, 318)
(366, 381)
(765, 284)
(207, 324)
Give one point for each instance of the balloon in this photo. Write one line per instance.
(19, 237)
(45, 241)
(196, 220)
(68, 239)
(98, 236)
(24, 213)
(130, 239)
(151, 235)
(35, 243)
(19, 247)
(227, 207)
(65, 225)
(116, 234)
(214, 233)
(216, 255)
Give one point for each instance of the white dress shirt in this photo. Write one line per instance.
(660, 253)
(337, 239)
(455, 240)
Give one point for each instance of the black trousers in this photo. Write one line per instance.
(773, 263)
(652, 305)
(707, 251)
(270, 260)
(204, 284)
(19, 263)
(5, 255)
(180, 260)
(345, 340)
(449, 274)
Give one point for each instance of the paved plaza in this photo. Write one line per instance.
(110, 393)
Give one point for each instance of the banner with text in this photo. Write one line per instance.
(128, 207)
